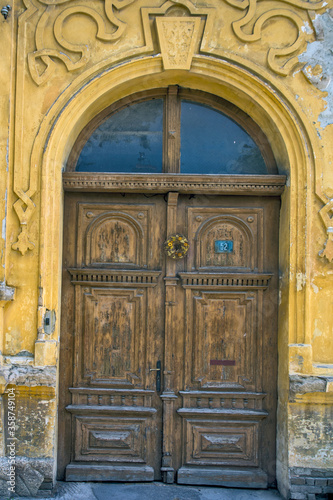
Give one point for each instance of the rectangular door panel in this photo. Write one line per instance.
(111, 337)
(221, 442)
(221, 341)
(115, 438)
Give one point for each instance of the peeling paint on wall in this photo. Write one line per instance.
(309, 429)
(302, 385)
(3, 231)
(300, 281)
(319, 62)
(29, 375)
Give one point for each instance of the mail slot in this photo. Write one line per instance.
(224, 246)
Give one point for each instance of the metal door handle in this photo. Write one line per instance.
(158, 375)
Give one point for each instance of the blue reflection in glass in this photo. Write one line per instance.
(212, 143)
(129, 141)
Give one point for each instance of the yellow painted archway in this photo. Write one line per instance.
(292, 141)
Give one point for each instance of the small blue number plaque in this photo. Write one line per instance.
(224, 246)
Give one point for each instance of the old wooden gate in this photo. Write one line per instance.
(168, 365)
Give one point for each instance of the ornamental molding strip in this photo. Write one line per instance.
(74, 56)
(136, 183)
(178, 26)
(106, 277)
(224, 281)
(249, 28)
(326, 214)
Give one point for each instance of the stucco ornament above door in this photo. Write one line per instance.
(64, 42)
(177, 40)
(74, 56)
(180, 26)
(327, 219)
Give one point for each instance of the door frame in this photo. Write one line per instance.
(291, 137)
(263, 186)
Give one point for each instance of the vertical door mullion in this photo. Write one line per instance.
(171, 132)
(168, 395)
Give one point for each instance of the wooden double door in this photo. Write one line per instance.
(168, 367)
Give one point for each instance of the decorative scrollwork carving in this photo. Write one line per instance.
(53, 2)
(53, 46)
(325, 212)
(257, 21)
(23, 244)
(24, 208)
(177, 38)
(47, 55)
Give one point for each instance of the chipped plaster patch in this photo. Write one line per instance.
(6, 292)
(306, 28)
(300, 384)
(300, 281)
(309, 428)
(296, 362)
(316, 333)
(319, 63)
(29, 376)
(3, 228)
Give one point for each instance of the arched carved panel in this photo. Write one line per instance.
(225, 238)
(225, 241)
(113, 235)
(114, 238)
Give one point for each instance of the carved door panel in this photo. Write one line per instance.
(110, 415)
(227, 396)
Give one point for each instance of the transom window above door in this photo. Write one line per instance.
(172, 130)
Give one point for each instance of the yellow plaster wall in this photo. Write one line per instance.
(63, 62)
(4, 117)
(35, 407)
(310, 430)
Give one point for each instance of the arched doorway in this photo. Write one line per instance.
(169, 365)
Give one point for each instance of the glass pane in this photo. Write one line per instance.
(212, 143)
(129, 141)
